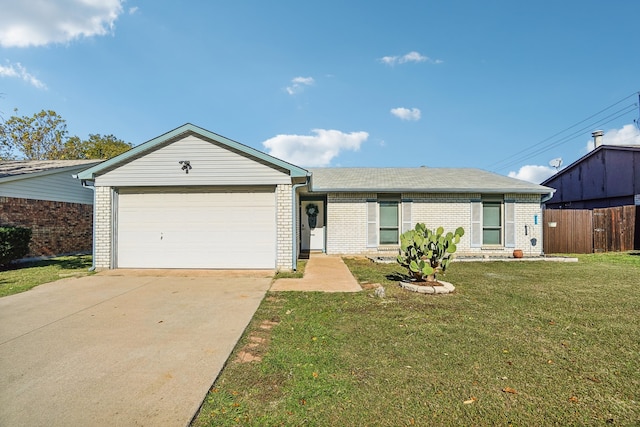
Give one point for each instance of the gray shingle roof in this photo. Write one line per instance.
(16, 168)
(423, 179)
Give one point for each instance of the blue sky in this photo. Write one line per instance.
(334, 83)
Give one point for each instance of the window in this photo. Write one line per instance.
(387, 217)
(389, 223)
(491, 223)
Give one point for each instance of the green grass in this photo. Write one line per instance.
(563, 336)
(22, 277)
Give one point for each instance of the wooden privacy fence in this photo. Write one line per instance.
(587, 231)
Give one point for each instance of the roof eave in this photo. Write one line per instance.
(433, 190)
(90, 174)
(52, 171)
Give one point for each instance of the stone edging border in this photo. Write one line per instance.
(446, 288)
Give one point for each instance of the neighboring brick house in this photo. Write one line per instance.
(43, 195)
(193, 199)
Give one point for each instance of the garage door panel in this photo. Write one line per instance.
(196, 230)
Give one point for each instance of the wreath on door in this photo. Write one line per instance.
(312, 214)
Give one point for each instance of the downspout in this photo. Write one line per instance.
(548, 197)
(544, 199)
(294, 211)
(93, 226)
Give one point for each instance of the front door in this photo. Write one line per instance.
(312, 225)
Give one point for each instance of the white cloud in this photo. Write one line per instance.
(314, 150)
(627, 135)
(412, 56)
(298, 84)
(19, 72)
(133, 10)
(533, 173)
(406, 113)
(39, 23)
(389, 60)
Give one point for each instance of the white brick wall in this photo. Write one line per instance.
(102, 228)
(447, 210)
(347, 220)
(284, 227)
(527, 206)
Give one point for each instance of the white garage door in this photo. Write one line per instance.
(197, 230)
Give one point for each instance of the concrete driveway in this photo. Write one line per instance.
(120, 350)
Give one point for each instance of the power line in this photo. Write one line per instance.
(529, 152)
(580, 132)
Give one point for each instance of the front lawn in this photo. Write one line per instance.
(24, 276)
(516, 344)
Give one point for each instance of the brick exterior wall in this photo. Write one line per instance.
(57, 227)
(527, 207)
(284, 227)
(102, 251)
(347, 221)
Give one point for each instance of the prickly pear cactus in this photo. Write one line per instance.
(426, 253)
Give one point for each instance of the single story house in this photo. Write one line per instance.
(193, 199)
(43, 196)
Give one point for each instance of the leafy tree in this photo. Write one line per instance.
(39, 137)
(44, 137)
(96, 147)
(73, 148)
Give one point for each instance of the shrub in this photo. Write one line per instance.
(14, 243)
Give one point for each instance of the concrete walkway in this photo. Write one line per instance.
(120, 349)
(323, 273)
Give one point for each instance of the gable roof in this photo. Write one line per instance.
(181, 132)
(603, 147)
(422, 179)
(19, 169)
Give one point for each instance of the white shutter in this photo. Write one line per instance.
(407, 224)
(509, 224)
(476, 224)
(372, 223)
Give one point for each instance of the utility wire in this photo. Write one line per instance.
(506, 162)
(568, 138)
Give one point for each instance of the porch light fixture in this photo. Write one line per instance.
(186, 165)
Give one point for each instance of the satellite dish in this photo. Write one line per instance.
(556, 163)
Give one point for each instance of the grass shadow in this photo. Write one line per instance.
(71, 262)
(396, 277)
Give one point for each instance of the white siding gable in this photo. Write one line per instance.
(58, 187)
(211, 164)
